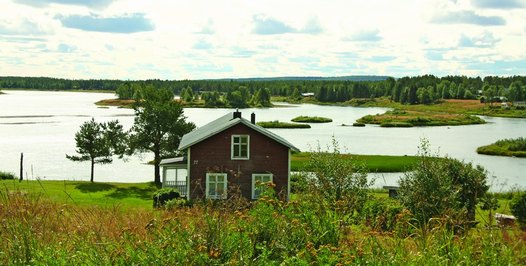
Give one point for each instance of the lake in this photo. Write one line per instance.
(42, 125)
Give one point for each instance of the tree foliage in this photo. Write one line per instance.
(98, 142)
(404, 90)
(442, 186)
(158, 126)
(340, 181)
(518, 207)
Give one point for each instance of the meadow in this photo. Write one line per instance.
(505, 147)
(371, 163)
(86, 224)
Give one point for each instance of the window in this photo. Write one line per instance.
(216, 185)
(240, 147)
(258, 182)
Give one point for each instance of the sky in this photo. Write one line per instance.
(198, 39)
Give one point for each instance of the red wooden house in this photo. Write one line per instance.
(226, 154)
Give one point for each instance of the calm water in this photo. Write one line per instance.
(42, 125)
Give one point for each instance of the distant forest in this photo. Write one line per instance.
(410, 90)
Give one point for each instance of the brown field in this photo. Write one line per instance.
(115, 102)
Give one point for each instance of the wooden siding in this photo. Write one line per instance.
(213, 155)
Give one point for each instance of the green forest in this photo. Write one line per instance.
(425, 89)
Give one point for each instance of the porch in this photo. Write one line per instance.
(175, 174)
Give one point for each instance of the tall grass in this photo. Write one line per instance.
(38, 231)
(505, 147)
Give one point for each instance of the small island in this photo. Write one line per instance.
(311, 119)
(506, 147)
(409, 118)
(278, 124)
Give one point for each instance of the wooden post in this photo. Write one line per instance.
(21, 166)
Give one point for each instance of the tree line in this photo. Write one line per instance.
(253, 92)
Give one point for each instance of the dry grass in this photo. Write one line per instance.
(37, 231)
(116, 102)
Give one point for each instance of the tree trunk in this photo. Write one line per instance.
(92, 169)
(157, 175)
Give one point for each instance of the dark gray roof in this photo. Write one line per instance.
(223, 123)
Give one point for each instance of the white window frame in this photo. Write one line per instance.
(232, 144)
(254, 182)
(225, 185)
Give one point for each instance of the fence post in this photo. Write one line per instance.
(21, 166)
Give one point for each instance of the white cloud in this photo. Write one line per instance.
(234, 38)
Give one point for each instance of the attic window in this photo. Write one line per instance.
(240, 147)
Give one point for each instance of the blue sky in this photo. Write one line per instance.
(158, 39)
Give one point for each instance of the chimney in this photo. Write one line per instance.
(253, 118)
(237, 114)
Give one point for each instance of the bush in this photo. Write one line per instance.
(161, 196)
(441, 187)
(518, 208)
(6, 176)
(177, 203)
(357, 124)
(339, 180)
(396, 124)
(298, 182)
(382, 215)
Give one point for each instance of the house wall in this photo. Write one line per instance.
(213, 155)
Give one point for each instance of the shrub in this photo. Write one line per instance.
(442, 187)
(298, 182)
(382, 215)
(338, 179)
(419, 121)
(368, 119)
(6, 175)
(518, 208)
(357, 124)
(161, 196)
(396, 124)
(176, 203)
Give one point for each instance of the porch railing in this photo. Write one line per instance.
(179, 185)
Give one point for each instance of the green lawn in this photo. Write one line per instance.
(373, 163)
(278, 124)
(126, 195)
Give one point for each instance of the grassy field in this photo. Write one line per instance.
(505, 147)
(125, 195)
(36, 230)
(409, 118)
(278, 124)
(311, 119)
(116, 102)
(372, 163)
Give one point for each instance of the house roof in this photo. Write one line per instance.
(175, 160)
(224, 123)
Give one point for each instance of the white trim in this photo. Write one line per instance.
(254, 182)
(225, 185)
(288, 178)
(232, 147)
(188, 173)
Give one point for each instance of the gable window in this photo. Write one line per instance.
(240, 147)
(259, 181)
(216, 185)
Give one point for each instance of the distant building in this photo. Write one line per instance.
(308, 94)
